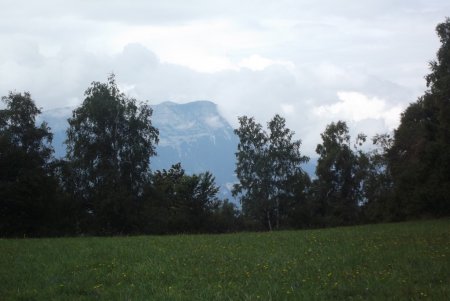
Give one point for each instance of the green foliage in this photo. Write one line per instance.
(377, 183)
(251, 170)
(403, 261)
(337, 189)
(105, 186)
(419, 159)
(226, 217)
(182, 203)
(109, 144)
(268, 170)
(28, 191)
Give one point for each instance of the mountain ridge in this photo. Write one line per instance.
(194, 134)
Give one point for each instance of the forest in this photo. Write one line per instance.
(105, 186)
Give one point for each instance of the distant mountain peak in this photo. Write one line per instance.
(193, 133)
(166, 104)
(189, 107)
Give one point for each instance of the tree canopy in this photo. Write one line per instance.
(337, 187)
(105, 185)
(268, 168)
(110, 140)
(420, 156)
(26, 183)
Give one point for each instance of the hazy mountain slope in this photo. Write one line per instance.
(194, 134)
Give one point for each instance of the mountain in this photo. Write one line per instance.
(57, 121)
(194, 134)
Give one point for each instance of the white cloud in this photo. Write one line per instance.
(332, 74)
(288, 109)
(202, 45)
(254, 58)
(363, 114)
(356, 107)
(256, 62)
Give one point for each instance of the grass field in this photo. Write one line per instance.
(388, 261)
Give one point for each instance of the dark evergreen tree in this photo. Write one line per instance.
(109, 144)
(28, 191)
(420, 158)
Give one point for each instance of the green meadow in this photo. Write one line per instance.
(374, 262)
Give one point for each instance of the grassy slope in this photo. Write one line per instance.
(388, 261)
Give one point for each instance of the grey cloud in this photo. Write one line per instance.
(258, 93)
(377, 48)
(61, 80)
(176, 11)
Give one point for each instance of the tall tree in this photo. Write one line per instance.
(284, 160)
(251, 171)
(337, 187)
(377, 183)
(110, 140)
(420, 157)
(267, 166)
(27, 187)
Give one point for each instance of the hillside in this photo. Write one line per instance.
(403, 261)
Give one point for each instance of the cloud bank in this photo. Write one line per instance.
(311, 62)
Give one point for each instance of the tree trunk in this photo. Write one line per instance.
(278, 214)
(268, 221)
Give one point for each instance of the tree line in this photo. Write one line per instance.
(105, 186)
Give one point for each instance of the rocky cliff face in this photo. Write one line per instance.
(196, 135)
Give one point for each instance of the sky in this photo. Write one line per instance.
(313, 62)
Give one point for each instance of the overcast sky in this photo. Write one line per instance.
(311, 61)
